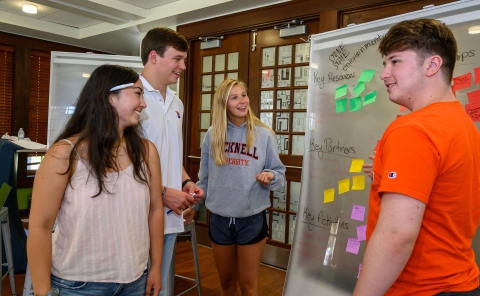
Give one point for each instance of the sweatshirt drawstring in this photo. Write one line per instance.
(232, 220)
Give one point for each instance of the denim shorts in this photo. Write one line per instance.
(75, 288)
(475, 292)
(240, 231)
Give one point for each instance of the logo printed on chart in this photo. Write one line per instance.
(392, 175)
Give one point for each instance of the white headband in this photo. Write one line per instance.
(122, 86)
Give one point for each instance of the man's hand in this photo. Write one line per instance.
(368, 167)
(177, 200)
(193, 190)
(265, 178)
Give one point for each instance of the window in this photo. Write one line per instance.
(6, 89)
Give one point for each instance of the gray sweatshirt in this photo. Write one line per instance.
(232, 190)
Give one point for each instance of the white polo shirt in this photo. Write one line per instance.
(162, 124)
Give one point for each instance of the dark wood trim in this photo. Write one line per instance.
(329, 20)
(273, 15)
(185, 95)
(367, 13)
(38, 44)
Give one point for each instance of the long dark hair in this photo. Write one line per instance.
(95, 122)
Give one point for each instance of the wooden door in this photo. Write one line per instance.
(278, 79)
(210, 68)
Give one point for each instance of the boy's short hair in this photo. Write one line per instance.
(426, 37)
(158, 39)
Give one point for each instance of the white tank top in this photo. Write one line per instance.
(105, 238)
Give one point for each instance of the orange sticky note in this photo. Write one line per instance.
(474, 97)
(477, 74)
(402, 108)
(462, 82)
(473, 111)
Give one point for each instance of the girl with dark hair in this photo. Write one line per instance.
(100, 182)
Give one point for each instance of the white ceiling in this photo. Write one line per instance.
(114, 26)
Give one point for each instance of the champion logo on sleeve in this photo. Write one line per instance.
(392, 175)
(178, 114)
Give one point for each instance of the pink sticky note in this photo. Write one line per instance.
(474, 97)
(359, 269)
(477, 75)
(358, 212)
(462, 82)
(362, 233)
(353, 245)
(402, 108)
(473, 111)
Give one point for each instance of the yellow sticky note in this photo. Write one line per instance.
(358, 182)
(356, 166)
(328, 195)
(343, 186)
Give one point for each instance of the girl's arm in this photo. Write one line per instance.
(155, 222)
(48, 190)
(273, 166)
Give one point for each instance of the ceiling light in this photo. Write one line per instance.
(474, 30)
(85, 75)
(29, 8)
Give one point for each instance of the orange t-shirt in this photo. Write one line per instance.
(433, 155)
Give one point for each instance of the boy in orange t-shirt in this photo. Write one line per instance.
(424, 198)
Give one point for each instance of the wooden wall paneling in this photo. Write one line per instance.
(6, 89)
(329, 20)
(39, 96)
(185, 94)
(365, 14)
(21, 89)
(42, 45)
(189, 90)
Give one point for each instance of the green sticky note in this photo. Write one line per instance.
(341, 105)
(358, 89)
(341, 91)
(370, 98)
(366, 76)
(355, 104)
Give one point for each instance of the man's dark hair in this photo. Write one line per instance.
(159, 39)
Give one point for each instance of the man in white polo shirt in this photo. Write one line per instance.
(163, 53)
